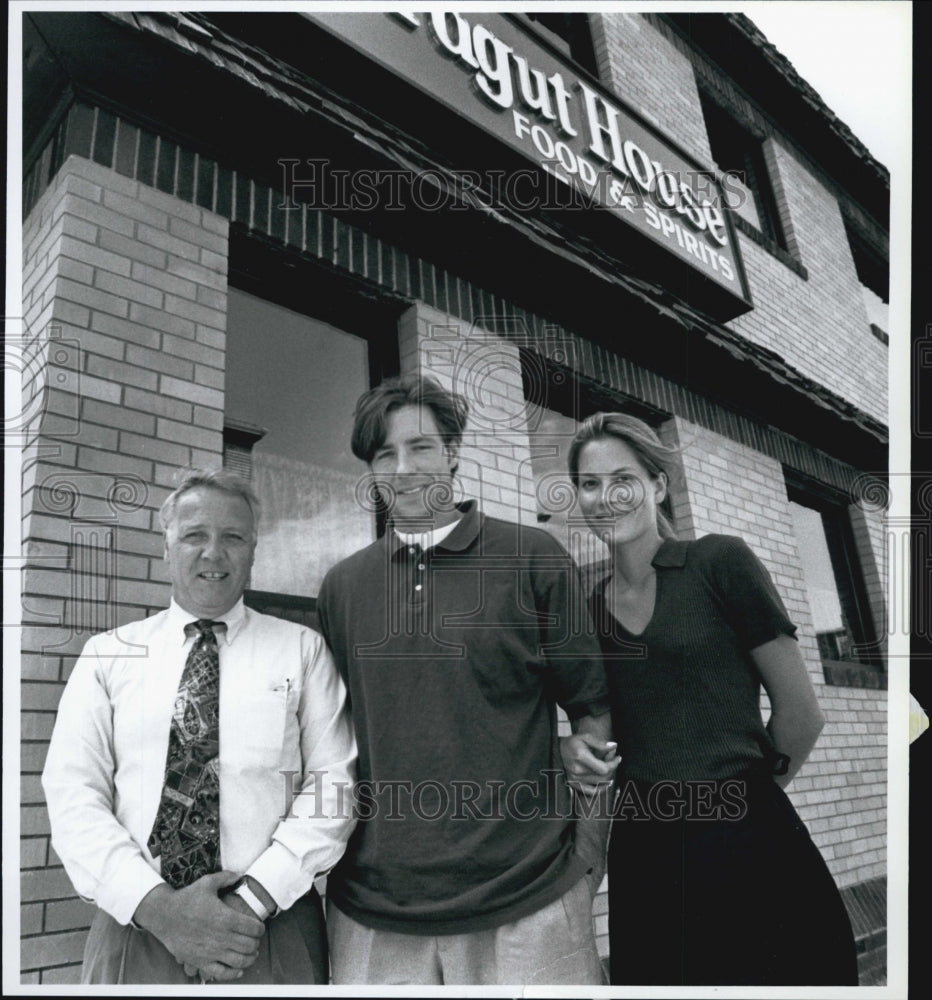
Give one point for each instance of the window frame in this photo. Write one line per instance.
(869, 670)
(756, 175)
(283, 276)
(872, 266)
(569, 32)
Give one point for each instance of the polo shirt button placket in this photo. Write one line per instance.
(417, 597)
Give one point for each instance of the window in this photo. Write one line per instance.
(291, 384)
(835, 587)
(738, 152)
(872, 266)
(571, 34)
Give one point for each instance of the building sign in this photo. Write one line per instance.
(485, 68)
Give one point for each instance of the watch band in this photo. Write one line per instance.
(252, 901)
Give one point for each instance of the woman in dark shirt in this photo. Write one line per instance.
(713, 878)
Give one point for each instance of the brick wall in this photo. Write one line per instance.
(818, 325)
(125, 289)
(841, 790)
(646, 71)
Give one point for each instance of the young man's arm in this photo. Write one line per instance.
(590, 754)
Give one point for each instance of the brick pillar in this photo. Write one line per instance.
(873, 534)
(495, 460)
(125, 317)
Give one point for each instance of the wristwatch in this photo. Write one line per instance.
(781, 763)
(241, 889)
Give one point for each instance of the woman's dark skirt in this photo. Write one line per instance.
(720, 883)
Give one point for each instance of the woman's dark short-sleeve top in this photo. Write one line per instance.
(685, 693)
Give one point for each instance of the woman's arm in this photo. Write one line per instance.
(796, 719)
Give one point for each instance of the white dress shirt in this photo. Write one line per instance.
(284, 730)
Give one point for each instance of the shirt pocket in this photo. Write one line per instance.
(261, 719)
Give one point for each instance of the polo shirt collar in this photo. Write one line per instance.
(672, 553)
(466, 531)
(460, 538)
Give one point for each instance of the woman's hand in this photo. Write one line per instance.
(590, 762)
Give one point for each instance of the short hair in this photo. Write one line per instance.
(651, 452)
(370, 420)
(215, 479)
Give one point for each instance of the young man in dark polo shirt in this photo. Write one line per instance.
(457, 635)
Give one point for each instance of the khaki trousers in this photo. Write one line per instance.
(555, 945)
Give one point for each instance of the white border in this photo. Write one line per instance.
(898, 77)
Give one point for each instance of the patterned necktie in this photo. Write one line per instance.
(186, 832)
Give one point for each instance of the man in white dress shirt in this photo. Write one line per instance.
(285, 766)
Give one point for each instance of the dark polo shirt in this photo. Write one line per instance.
(454, 662)
(685, 693)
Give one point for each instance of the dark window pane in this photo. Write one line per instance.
(327, 226)
(242, 199)
(372, 257)
(44, 171)
(571, 34)
(357, 251)
(185, 185)
(278, 216)
(205, 183)
(312, 229)
(342, 249)
(80, 131)
(260, 207)
(58, 148)
(145, 164)
(224, 192)
(30, 187)
(104, 138)
(125, 162)
(165, 169)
